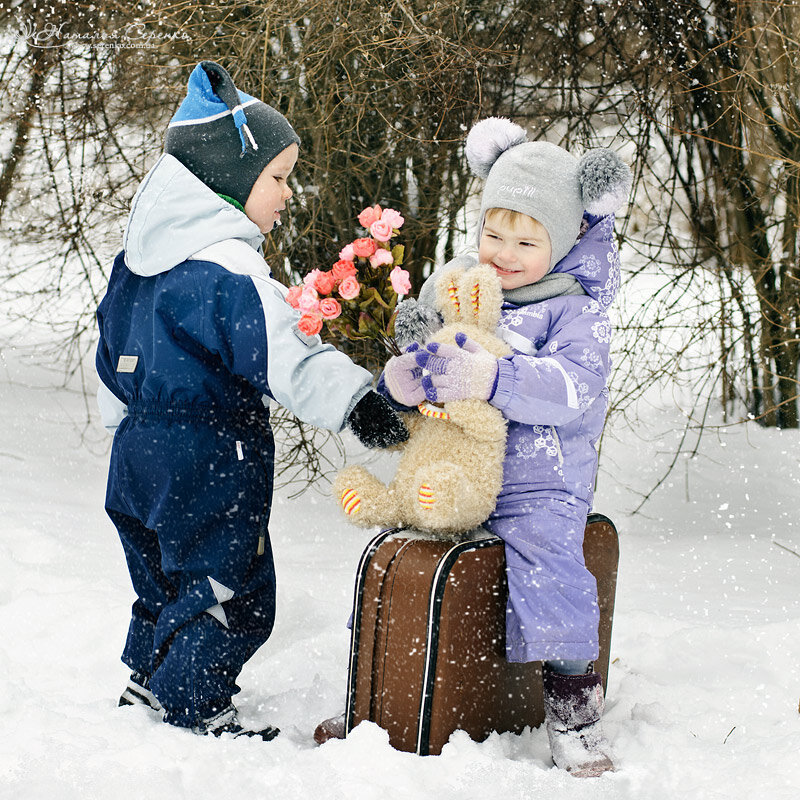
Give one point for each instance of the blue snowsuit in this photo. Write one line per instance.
(195, 338)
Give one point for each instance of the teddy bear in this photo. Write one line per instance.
(450, 469)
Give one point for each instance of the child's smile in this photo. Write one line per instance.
(520, 253)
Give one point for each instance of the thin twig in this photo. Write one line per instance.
(787, 549)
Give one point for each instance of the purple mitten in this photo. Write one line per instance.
(457, 372)
(403, 377)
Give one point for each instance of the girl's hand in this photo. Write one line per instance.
(403, 377)
(457, 372)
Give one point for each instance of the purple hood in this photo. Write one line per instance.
(594, 261)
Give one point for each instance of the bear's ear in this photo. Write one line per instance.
(448, 302)
(605, 181)
(488, 140)
(470, 297)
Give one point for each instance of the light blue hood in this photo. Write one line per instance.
(174, 215)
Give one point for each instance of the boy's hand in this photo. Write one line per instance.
(375, 423)
(457, 372)
(403, 378)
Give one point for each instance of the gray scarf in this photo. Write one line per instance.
(554, 284)
(417, 319)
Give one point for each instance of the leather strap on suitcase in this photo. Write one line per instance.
(427, 652)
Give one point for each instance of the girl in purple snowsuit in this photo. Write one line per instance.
(546, 225)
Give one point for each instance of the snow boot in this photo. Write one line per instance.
(573, 706)
(332, 728)
(227, 721)
(137, 692)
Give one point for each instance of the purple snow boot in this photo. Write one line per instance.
(573, 706)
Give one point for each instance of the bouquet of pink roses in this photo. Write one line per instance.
(358, 296)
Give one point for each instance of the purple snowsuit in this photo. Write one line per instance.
(553, 392)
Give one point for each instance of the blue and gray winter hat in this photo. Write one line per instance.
(223, 136)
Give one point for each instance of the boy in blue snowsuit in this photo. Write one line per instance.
(559, 271)
(195, 338)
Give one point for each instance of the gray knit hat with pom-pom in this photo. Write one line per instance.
(544, 181)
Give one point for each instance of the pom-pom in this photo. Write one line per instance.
(488, 140)
(605, 181)
(415, 322)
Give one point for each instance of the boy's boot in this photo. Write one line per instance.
(137, 692)
(573, 706)
(227, 721)
(332, 728)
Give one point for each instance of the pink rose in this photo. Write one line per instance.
(369, 215)
(400, 282)
(381, 230)
(309, 324)
(346, 253)
(308, 300)
(349, 288)
(311, 277)
(381, 257)
(343, 269)
(293, 296)
(394, 218)
(329, 308)
(324, 282)
(363, 248)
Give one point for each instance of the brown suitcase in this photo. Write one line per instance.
(427, 653)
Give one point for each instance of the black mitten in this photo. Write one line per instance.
(375, 423)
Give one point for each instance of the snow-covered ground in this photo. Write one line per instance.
(704, 685)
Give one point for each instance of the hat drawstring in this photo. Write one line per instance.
(249, 136)
(240, 120)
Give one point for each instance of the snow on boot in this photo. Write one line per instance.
(332, 728)
(227, 721)
(137, 692)
(573, 706)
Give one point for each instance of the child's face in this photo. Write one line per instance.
(520, 253)
(270, 192)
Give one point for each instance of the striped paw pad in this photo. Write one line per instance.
(452, 291)
(351, 502)
(475, 298)
(432, 411)
(425, 497)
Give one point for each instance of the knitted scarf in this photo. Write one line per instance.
(554, 284)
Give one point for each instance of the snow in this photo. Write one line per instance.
(704, 684)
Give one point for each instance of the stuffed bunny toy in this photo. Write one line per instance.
(451, 468)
